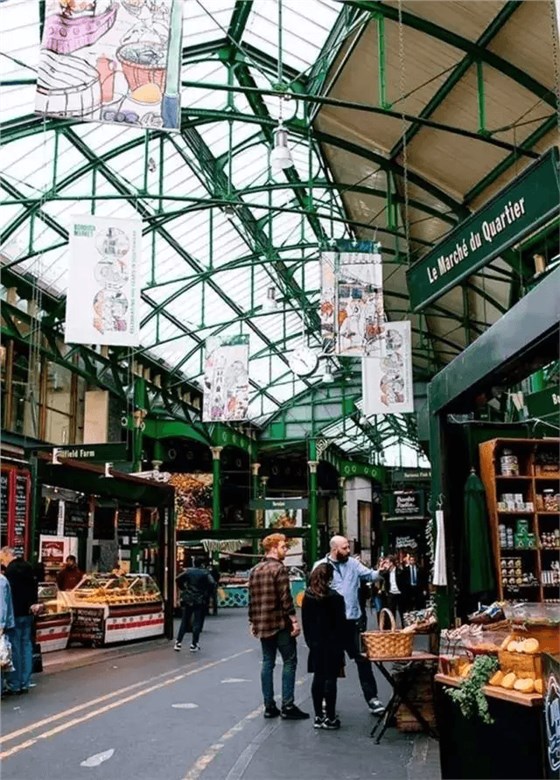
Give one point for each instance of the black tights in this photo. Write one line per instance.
(324, 688)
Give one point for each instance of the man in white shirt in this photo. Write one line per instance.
(395, 586)
(349, 573)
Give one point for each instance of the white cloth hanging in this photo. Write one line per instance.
(440, 562)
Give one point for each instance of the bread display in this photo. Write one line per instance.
(524, 686)
(496, 678)
(508, 681)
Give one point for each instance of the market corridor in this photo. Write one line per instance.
(160, 714)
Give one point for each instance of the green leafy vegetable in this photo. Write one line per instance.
(469, 696)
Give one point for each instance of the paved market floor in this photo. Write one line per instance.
(153, 713)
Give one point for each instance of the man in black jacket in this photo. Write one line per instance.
(23, 584)
(196, 585)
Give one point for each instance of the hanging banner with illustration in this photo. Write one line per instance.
(351, 309)
(103, 297)
(226, 379)
(115, 61)
(387, 381)
(327, 303)
(278, 519)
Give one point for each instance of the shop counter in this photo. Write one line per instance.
(108, 608)
(514, 746)
(52, 630)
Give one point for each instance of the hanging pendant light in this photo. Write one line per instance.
(280, 155)
(328, 376)
(270, 302)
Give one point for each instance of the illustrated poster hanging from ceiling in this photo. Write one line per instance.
(327, 303)
(226, 379)
(387, 381)
(103, 298)
(113, 61)
(359, 305)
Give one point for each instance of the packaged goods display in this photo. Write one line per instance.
(523, 503)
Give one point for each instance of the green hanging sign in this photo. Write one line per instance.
(544, 402)
(525, 204)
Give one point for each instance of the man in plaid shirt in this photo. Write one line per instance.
(273, 620)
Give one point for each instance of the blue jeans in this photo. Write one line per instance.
(286, 644)
(22, 654)
(196, 614)
(352, 642)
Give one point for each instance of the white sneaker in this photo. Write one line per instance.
(376, 707)
(194, 648)
(177, 646)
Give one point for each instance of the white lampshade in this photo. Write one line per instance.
(327, 377)
(280, 155)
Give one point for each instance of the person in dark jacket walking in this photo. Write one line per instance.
(23, 584)
(196, 584)
(324, 622)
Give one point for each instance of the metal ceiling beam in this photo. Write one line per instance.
(116, 182)
(477, 52)
(349, 21)
(495, 26)
(238, 22)
(548, 126)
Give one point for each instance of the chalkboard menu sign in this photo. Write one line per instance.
(104, 523)
(48, 522)
(88, 626)
(4, 488)
(75, 519)
(20, 514)
(126, 522)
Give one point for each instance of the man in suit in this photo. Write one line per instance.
(414, 584)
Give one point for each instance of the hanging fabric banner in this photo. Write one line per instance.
(103, 297)
(351, 308)
(360, 312)
(226, 379)
(387, 381)
(327, 304)
(115, 61)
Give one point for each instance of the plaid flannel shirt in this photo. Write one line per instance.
(270, 598)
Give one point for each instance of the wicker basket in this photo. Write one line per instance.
(387, 644)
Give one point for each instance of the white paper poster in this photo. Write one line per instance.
(226, 379)
(116, 61)
(103, 298)
(278, 519)
(387, 381)
(360, 314)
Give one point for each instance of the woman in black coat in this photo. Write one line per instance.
(324, 621)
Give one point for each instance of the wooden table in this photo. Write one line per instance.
(400, 692)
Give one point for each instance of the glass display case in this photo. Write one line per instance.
(111, 607)
(52, 628)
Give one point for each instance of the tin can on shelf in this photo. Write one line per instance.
(509, 464)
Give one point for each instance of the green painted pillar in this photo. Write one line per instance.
(216, 487)
(312, 463)
(254, 495)
(138, 424)
(32, 553)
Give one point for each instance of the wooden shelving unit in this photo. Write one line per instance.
(529, 483)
